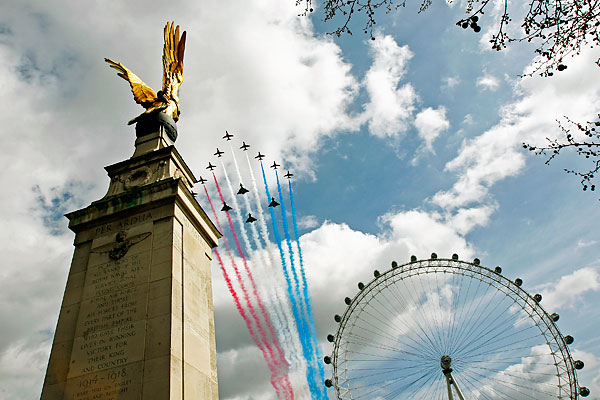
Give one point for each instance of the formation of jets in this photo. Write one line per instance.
(242, 190)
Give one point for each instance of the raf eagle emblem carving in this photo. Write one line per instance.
(166, 100)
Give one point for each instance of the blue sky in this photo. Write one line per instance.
(404, 145)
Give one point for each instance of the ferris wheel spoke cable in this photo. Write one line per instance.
(472, 387)
(430, 342)
(479, 317)
(457, 328)
(453, 306)
(432, 375)
(435, 344)
(404, 387)
(506, 325)
(435, 332)
(396, 379)
(508, 320)
(502, 349)
(383, 322)
(462, 323)
(378, 385)
(526, 375)
(526, 384)
(370, 340)
(535, 338)
(404, 304)
(512, 386)
(367, 343)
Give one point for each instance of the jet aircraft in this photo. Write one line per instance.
(250, 218)
(202, 180)
(219, 153)
(210, 166)
(227, 136)
(242, 190)
(259, 157)
(275, 165)
(244, 146)
(273, 203)
(288, 175)
(226, 207)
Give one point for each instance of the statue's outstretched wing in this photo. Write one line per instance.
(173, 60)
(142, 93)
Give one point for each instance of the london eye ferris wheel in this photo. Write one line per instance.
(448, 329)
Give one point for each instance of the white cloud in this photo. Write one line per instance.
(488, 82)
(497, 153)
(430, 123)
(253, 68)
(569, 290)
(468, 120)
(582, 244)
(390, 105)
(465, 219)
(450, 82)
(308, 222)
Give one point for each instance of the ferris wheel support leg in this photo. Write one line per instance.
(449, 384)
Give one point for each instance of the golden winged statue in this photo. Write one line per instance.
(166, 100)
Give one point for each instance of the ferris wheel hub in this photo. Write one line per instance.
(446, 362)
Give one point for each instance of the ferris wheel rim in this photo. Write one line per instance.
(564, 364)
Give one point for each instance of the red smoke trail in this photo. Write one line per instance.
(238, 305)
(281, 363)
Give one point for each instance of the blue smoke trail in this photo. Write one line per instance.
(306, 344)
(305, 286)
(311, 336)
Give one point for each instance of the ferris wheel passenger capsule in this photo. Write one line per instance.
(476, 261)
(337, 318)
(498, 270)
(537, 297)
(376, 273)
(579, 364)
(327, 360)
(394, 264)
(569, 339)
(330, 338)
(413, 258)
(433, 256)
(455, 256)
(518, 282)
(361, 286)
(555, 317)
(328, 383)
(348, 300)
(583, 391)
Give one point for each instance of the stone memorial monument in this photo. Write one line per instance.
(136, 320)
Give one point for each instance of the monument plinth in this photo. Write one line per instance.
(136, 321)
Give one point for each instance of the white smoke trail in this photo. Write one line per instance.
(297, 362)
(266, 313)
(266, 281)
